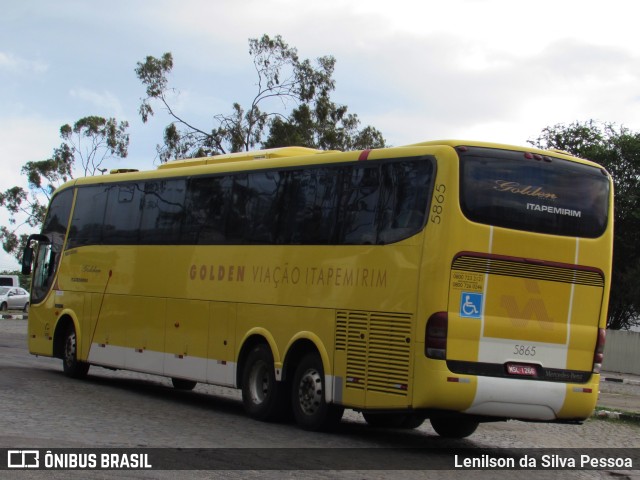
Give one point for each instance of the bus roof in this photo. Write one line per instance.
(551, 151)
(277, 157)
(289, 152)
(271, 153)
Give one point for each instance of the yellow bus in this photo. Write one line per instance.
(457, 281)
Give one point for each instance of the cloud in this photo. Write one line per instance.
(13, 64)
(453, 88)
(104, 101)
(22, 139)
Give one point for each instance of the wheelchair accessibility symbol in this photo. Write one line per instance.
(471, 305)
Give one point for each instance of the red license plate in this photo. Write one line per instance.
(522, 370)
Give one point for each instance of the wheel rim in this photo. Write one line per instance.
(70, 349)
(310, 392)
(259, 383)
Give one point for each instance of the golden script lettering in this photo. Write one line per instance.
(519, 189)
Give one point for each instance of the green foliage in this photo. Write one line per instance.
(327, 126)
(93, 140)
(85, 146)
(618, 150)
(153, 74)
(283, 79)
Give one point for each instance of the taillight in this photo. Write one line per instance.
(598, 355)
(435, 343)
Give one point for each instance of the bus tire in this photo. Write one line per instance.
(310, 409)
(183, 384)
(262, 396)
(394, 420)
(71, 366)
(412, 421)
(453, 426)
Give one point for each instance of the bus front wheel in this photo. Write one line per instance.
(71, 366)
(310, 408)
(262, 396)
(183, 384)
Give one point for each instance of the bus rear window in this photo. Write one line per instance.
(545, 195)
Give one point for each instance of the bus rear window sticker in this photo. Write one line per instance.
(471, 305)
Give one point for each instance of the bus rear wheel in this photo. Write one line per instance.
(71, 366)
(394, 420)
(452, 426)
(262, 396)
(310, 409)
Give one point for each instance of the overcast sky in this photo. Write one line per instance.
(497, 70)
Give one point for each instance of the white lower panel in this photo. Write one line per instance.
(143, 360)
(192, 368)
(107, 355)
(524, 399)
(221, 373)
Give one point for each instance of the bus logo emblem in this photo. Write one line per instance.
(471, 305)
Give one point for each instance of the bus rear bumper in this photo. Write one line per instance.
(531, 399)
(504, 397)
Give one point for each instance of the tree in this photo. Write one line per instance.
(618, 150)
(85, 147)
(323, 125)
(93, 140)
(282, 79)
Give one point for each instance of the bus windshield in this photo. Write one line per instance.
(54, 227)
(534, 193)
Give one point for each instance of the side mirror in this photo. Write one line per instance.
(27, 253)
(27, 260)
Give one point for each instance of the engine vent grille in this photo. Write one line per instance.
(378, 350)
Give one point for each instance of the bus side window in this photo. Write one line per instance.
(162, 212)
(122, 215)
(265, 189)
(308, 207)
(404, 199)
(205, 211)
(237, 219)
(359, 206)
(88, 216)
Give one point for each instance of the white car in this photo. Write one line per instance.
(14, 298)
